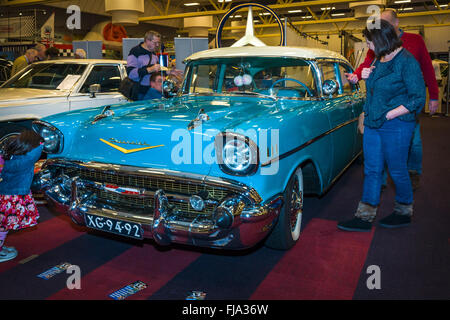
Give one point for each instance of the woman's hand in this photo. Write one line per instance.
(361, 123)
(366, 72)
(394, 113)
(351, 77)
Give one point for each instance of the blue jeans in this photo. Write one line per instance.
(388, 144)
(414, 156)
(415, 151)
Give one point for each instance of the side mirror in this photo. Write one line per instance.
(93, 89)
(329, 87)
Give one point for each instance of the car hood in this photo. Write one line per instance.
(156, 134)
(18, 96)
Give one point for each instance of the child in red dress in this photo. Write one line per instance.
(17, 207)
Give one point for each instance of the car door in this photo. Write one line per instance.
(108, 76)
(355, 99)
(339, 109)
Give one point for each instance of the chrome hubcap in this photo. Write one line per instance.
(296, 204)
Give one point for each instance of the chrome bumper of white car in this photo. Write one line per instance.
(159, 201)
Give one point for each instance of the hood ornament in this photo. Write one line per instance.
(201, 117)
(106, 112)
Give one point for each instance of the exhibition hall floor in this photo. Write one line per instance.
(410, 263)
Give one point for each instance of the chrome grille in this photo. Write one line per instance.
(168, 185)
(145, 203)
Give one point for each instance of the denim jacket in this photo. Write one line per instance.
(18, 172)
(391, 84)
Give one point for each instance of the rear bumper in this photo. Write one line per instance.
(238, 221)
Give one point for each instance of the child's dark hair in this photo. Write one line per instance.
(385, 39)
(26, 141)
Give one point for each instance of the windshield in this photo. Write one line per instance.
(285, 77)
(48, 76)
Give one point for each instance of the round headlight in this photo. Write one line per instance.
(239, 155)
(52, 136)
(51, 139)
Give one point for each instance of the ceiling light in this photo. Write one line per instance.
(402, 1)
(294, 11)
(192, 4)
(223, 1)
(328, 8)
(338, 14)
(406, 9)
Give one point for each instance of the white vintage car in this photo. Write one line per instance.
(50, 87)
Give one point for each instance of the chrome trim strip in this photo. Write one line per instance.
(307, 143)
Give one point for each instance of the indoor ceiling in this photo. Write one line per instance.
(308, 11)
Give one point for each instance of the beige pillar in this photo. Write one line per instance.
(125, 12)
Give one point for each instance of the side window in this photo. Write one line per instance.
(108, 77)
(203, 79)
(328, 71)
(347, 87)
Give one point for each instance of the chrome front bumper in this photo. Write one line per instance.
(237, 220)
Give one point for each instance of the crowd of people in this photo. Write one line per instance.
(142, 63)
(39, 53)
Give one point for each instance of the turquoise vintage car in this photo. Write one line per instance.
(224, 164)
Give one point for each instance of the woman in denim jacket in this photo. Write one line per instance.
(17, 207)
(395, 96)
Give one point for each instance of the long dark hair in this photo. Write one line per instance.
(385, 39)
(26, 141)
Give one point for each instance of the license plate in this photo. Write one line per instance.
(128, 229)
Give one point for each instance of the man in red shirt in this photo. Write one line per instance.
(414, 44)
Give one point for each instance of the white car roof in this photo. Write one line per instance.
(267, 51)
(82, 61)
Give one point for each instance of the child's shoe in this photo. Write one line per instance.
(7, 253)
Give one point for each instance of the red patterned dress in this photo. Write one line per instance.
(17, 212)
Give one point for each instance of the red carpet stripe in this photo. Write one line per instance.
(146, 264)
(325, 264)
(41, 238)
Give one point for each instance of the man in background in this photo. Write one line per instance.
(23, 61)
(41, 52)
(80, 54)
(155, 91)
(52, 53)
(142, 61)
